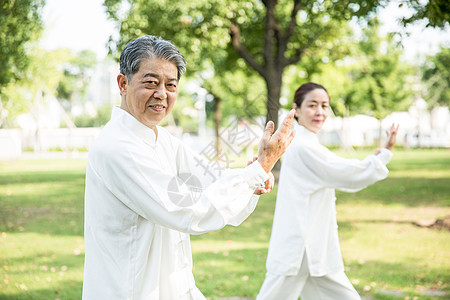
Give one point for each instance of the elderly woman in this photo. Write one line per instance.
(304, 256)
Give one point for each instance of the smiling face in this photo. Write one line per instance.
(314, 110)
(152, 91)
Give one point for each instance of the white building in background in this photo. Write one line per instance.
(424, 129)
(40, 128)
(104, 85)
(419, 127)
(102, 90)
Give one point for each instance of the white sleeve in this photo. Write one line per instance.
(155, 194)
(326, 169)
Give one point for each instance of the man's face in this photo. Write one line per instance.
(151, 93)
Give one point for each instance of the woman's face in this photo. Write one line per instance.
(314, 110)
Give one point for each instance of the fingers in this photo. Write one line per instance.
(268, 186)
(260, 191)
(287, 122)
(291, 137)
(252, 161)
(392, 136)
(268, 131)
(393, 130)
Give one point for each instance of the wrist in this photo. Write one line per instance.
(265, 164)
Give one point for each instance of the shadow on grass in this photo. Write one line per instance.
(420, 163)
(405, 191)
(217, 273)
(221, 274)
(413, 278)
(50, 202)
(41, 177)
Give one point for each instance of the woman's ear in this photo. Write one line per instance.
(294, 106)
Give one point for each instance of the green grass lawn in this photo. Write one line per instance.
(386, 257)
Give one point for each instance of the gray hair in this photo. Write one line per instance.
(149, 46)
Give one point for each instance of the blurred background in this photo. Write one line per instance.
(381, 61)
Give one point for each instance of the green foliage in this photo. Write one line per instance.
(48, 73)
(225, 36)
(100, 119)
(436, 76)
(20, 23)
(40, 80)
(436, 13)
(77, 75)
(374, 80)
(370, 78)
(241, 95)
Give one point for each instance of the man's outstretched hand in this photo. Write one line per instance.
(268, 185)
(273, 145)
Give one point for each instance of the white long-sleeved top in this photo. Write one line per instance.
(139, 214)
(305, 211)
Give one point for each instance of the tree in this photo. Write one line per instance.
(43, 73)
(380, 80)
(236, 94)
(77, 74)
(378, 83)
(435, 12)
(436, 77)
(20, 23)
(267, 36)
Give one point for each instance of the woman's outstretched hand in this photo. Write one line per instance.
(391, 137)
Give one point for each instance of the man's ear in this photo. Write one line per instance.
(122, 82)
(294, 105)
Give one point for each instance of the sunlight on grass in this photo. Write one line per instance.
(40, 266)
(386, 256)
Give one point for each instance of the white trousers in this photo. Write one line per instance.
(334, 286)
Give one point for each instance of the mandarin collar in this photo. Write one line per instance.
(305, 133)
(141, 130)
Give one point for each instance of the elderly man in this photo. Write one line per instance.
(138, 212)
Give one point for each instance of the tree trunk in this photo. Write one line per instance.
(217, 118)
(2, 114)
(273, 84)
(380, 134)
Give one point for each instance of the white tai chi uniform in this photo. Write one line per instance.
(139, 214)
(304, 253)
